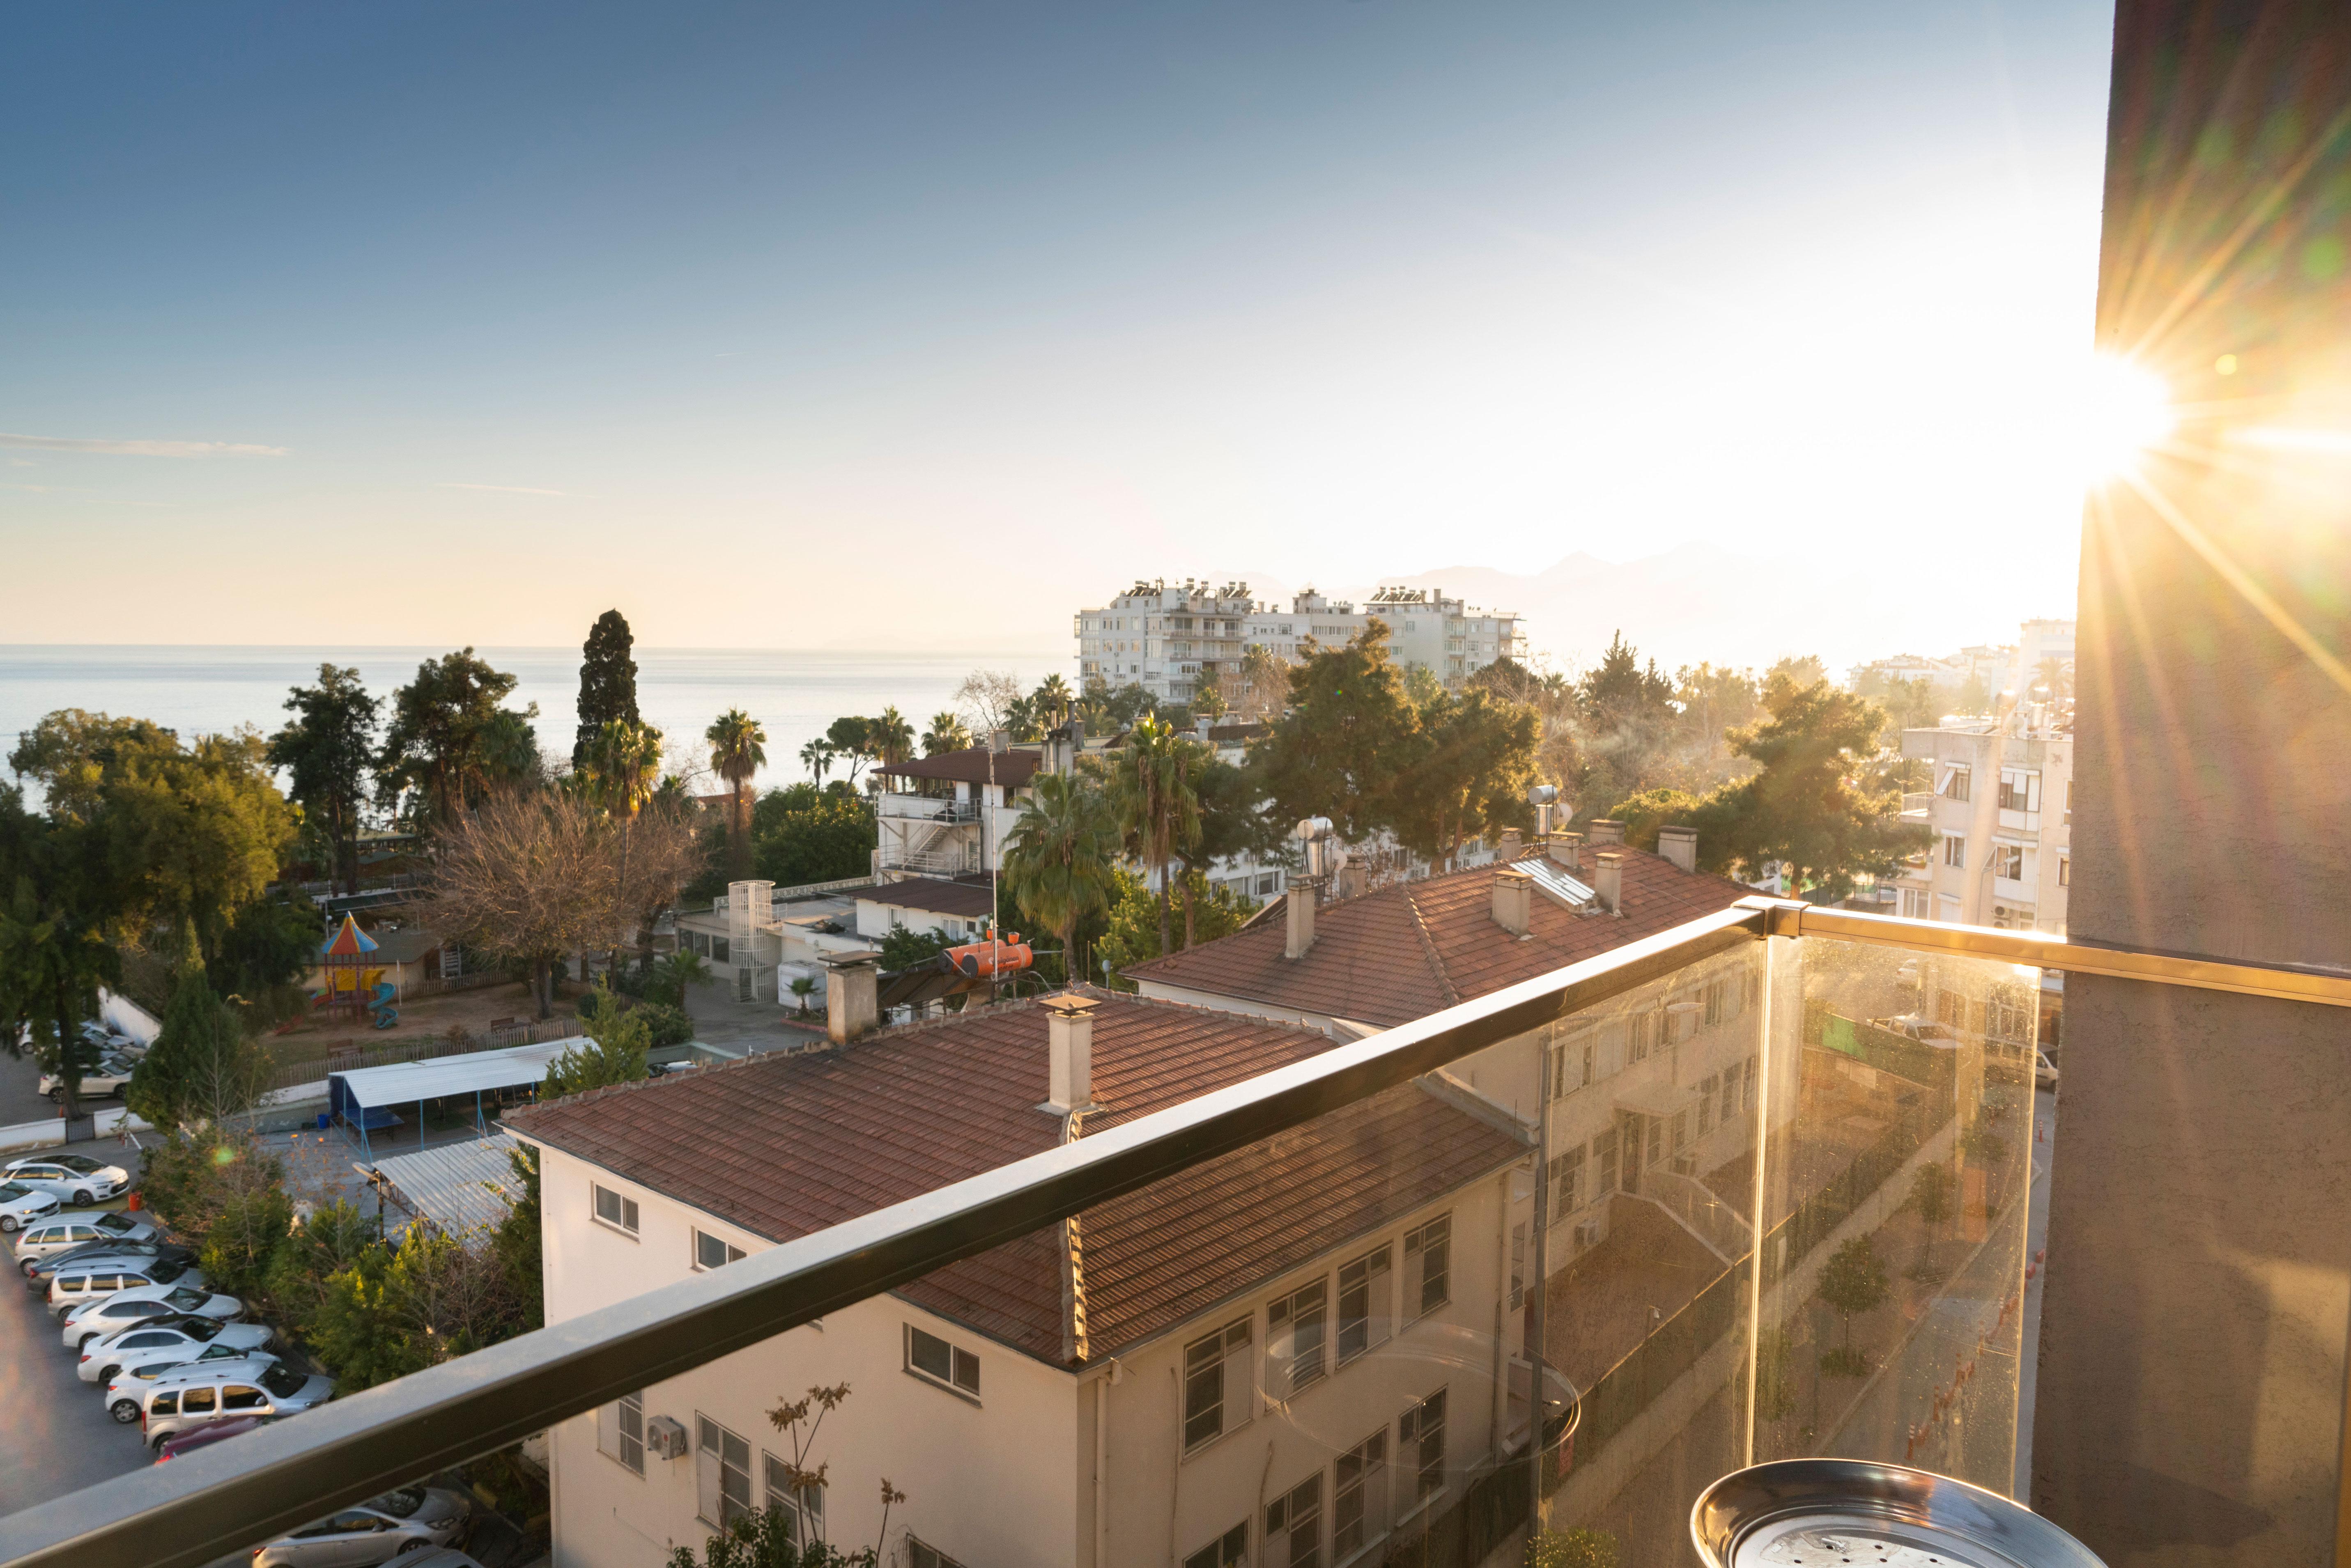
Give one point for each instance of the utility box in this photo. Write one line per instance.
(665, 1438)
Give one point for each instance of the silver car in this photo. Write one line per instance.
(155, 1340)
(95, 1278)
(21, 1205)
(75, 1227)
(126, 1391)
(125, 1308)
(411, 1520)
(196, 1396)
(71, 1178)
(110, 1076)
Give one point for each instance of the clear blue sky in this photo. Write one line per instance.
(797, 326)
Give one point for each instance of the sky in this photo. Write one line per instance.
(918, 326)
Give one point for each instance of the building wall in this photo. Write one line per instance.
(1973, 891)
(2191, 1405)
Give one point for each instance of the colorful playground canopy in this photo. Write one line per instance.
(438, 1077)
(348, 942)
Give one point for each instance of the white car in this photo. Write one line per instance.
(126, 1391)
(83, 1279)
(158, 1340)
(21, 1206)
(71, 1178)
(73, 1227)
(379, 1529)
(109, 1077)
(124, 1308)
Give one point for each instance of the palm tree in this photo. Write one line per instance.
(2055, 678)
(1158, 801)
(817, 757)
(623, 765)
(1266, 677)
(892, 737)
(946, 734)
(1051, 700)
(738, 751)
(1058, 859)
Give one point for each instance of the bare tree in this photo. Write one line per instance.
(987, 697)
(535, 875)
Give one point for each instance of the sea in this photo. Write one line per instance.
(793, 694)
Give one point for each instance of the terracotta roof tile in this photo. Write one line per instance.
(1414, 949)
(784, 1145)
(1012, 769)
(933, 895)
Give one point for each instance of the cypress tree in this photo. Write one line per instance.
(608, 680)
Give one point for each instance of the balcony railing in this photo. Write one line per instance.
(1727, 1215)
(925, 807)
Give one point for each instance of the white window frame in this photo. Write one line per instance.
(958, 1360)
(1229, 1550)
(1298, 1510)
(1377, 1284)
(621, 1428)
(1955, 851)
(710, 1470)
(624, 1209)
(1419, 1243)
(732, 1254)
(1365, 1492)
(1297, 1338)
(801, 1504)
(1413, 1436)
(1227, 1353)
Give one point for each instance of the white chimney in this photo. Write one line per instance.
(1301, 920)
(1567, 849)
(1510, 847)
(1679, 845)
(1070, 1036)
(1609, 882)
(851, 995)
(1514, 894)
(1000, 740)
(1607, 831)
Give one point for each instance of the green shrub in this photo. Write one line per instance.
(664, 1025)
(1576, 1548)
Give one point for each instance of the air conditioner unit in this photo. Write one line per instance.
(665, 1438)
(1587, 1234)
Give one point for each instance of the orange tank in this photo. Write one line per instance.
(999, 956)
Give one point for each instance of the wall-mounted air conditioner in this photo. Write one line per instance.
(665, 1438)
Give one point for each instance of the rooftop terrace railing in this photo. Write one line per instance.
(1826, 1128)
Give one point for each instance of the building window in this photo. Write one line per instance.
(1215, 1382)
(2064, 870)
(2069, 803)
(1427, 1286)
(1293, 1526)
(1229, 1550)
(621, 1431)
(949, 1366)
(1567, 1180)
(1604, 1145)
(1359, 1500)
(1640, 1034)
(1958, 784)
(1363, 1287)
(1294, 1328)
(722, 1473)
(1420, 1444)
(714, 1252)
(1747, 1100)
(1955, 851)
(1517, 1266)
(719, 949)
(802, 1505)
(619, 1213)
(919, 1555)
(2007, 860)
(1707, 1088)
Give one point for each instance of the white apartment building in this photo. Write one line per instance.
(2000, 800)
(1164, 638)
(1301, 1352)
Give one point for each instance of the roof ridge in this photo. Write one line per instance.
(1428, 949)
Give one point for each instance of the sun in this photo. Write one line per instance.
(2122, 408)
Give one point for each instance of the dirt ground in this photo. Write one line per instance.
(428, 1017)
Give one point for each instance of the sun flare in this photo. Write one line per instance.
(2124, 409)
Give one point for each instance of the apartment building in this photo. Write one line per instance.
(1999, 798)
(1165, 639)
(1299, 1353)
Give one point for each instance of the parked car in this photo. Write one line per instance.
(77, 1227)
(124, 1308)
(410, 1519)
(21, 1205)
(1924, 1029)
(95, 1278)
(2044, 1071)
(41, 1272)
(126, 1391)
(110, 1076)
(71, 1178)
(151, 1340)
(209, 1434)
(197, 1396)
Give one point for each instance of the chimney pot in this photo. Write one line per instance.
(1567, 849)
(1609, 882)
(1679, 845)
(1300, 912)
(1510, 847)
(851, 995)
(1070, 1037)
(1606, 830)
(1513, 900)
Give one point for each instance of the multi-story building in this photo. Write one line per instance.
(1166, 639)
(1301, 1351)
(1999, 797)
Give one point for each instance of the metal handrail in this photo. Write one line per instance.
(224, 1498)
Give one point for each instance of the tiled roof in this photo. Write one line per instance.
(933, 895)
(1013, 768)
(1413, 948)
(784, 1145)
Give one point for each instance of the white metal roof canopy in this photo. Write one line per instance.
(436, 1077)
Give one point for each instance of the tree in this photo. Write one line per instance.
(737, 752)
(618, 1038)
(1578, 1548)
(1052, 701)
(202, 1070)
(54, 950)
(801, 834)
(946, 734)
(1645, 813)
(73, 753)
(2052, 680)
(620, 768)
(446, 746)
(987, 696)
(817, 757)
(1851, 1281)
(269, 946)
(1334, 753)
(1264, 681)
(1465, 773)
(325, 751)
(1802, 670)
(851, 737)
(515, 1242)
(905, 948)
(891, 738)
(1974, 698)
(1930, 1195)
(1058, 855)
(1155, 791)
(608, 682)
(1627, 713)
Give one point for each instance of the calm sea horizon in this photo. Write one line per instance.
(794, 693)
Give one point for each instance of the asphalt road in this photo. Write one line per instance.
(59, 1438)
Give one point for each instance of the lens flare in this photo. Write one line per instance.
(2124, 409)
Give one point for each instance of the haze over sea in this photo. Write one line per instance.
(793, 694)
